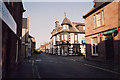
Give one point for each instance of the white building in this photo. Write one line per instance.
(68, 38)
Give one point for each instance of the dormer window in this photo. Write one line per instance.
(65, 27)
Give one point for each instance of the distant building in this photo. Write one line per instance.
(25, 36)
(102, 35)
(42, 48)
(31, 45)
(11, 18)
(67, 38)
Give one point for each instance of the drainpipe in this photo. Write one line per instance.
(16, 52)
(0, 49)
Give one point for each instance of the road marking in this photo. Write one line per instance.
(38, 60)
(32, 62)
(102, 69)
(37, 72)
(35, 69)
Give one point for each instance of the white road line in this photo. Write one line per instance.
(102, 69)
(37, 72)
(38, 60)
(33, 71)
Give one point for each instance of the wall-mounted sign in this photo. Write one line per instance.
(7, 17)
(83, 41)
(107, 32)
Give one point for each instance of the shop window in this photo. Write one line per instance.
(94, 46)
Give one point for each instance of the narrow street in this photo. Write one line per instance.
(52, 66)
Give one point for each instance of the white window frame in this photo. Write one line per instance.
(65, 37)
(62, 37)
(83, 27)
(58, 38)
(92, 44)
(75, 37)
(98, 19)
(72, 38)
(64, 27)
(103, 18)
(94, 22)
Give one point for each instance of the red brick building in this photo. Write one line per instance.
(102, 25)
(11, 35)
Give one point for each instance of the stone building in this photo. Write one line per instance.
(11, 19)
(102, 35)
(67, 38)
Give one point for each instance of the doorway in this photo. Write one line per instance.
(109, 48)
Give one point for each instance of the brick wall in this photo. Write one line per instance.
(110, 19)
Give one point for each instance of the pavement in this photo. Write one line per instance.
(41, 66)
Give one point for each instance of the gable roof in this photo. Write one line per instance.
(94, 9)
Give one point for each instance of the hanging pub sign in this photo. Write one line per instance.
(7, 17)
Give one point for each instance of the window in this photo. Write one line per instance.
(94, 22)
(62, 37)
(58, 38)
(98, 19)
(8, 1)
(75, 37)
(102, 18)
(65, 27)
(71, 38)
(94, 46)
(83, 27)
(65, 36)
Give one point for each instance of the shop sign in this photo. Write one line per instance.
(107, 32)
(83, 41)
(6, 17)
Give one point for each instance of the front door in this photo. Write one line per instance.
(109, 48)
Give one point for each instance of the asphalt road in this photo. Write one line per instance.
(52, 66)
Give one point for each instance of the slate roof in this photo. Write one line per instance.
(66, 21)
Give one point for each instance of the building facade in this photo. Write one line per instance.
(11, 19)
(67, 38)
(25, 36)
(102, 35)
(31, 45)
(42, 48)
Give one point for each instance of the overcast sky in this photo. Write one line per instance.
(42, 16)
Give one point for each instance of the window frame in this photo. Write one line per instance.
(94, 44)
(99, 19)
